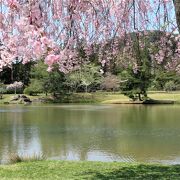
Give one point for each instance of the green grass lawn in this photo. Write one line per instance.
(87, 170)
(165, 96)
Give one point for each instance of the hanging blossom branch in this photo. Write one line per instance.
(56, 30)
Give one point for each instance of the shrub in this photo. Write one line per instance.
(155, 86)
(110, 82)
(170, 86)
(29, 91)
(34, 88)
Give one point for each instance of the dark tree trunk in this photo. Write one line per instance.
(177, 9)
(139, 97)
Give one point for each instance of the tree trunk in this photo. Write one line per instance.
(177, 9)
(86, 89)
(139, 97)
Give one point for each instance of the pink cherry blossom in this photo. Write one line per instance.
(57, 31)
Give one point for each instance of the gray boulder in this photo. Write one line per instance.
(15, 98)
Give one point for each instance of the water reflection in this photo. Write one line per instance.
(89, 132)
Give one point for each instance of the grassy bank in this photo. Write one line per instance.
(99, 97)
(73, 98)
(87, 170)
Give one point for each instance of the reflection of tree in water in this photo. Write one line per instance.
(15, 133)
(127, 131)
(139, 132)
(79, 131)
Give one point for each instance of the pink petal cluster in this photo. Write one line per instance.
(58, 30)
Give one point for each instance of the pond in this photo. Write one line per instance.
(124, 133)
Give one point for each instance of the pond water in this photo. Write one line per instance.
(125, 133)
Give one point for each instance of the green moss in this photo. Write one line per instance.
(87, 170)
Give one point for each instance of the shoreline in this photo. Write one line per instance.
(97, 97)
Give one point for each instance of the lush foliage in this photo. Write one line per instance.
(34, 88)
(17, 72)
(170, 86)
(88, 77)
(42, 81)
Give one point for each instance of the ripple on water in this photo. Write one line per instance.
(13, 110)
(86, 107)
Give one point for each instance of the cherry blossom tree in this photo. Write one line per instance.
(15, 86)
(56, 29)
